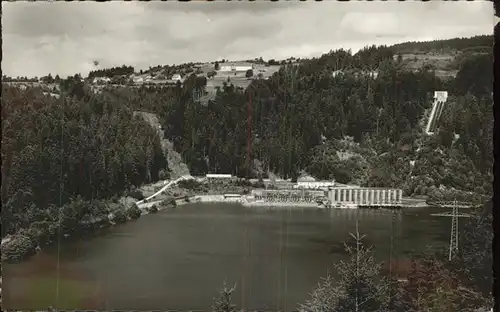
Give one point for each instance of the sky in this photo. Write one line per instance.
(67, 37)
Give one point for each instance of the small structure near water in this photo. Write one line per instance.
(218, 176)
(290, 197)
(314, 185)
(213, 177)
(232, 198)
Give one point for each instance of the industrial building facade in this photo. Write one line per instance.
(355, 197)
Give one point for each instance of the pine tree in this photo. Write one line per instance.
(322, 299)
(224, 303)
(360, 287)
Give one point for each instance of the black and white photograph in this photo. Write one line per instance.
(230, 156)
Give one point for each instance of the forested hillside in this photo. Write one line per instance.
(302, 119)
(482, 43)
(351, 126)
(445, 57)
(54, 150)
(111, 72)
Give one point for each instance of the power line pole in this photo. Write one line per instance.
(453, 247)
(393, 260)
(453, 233)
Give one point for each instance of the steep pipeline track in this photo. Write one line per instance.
(177, 167)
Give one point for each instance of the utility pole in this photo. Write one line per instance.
(453, 248)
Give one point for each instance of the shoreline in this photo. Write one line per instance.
(27, 242)
(282, 204)
(245, 203)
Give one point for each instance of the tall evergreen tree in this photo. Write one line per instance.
(360, 286)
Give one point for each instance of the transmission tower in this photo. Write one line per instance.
(455, 205)
(393, 253)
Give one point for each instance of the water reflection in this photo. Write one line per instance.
(178, 259)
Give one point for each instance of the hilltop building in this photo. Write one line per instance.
(98, 80)
(235, 67)
(137, 79)
(177, 77)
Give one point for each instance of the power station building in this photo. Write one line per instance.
(354, 197)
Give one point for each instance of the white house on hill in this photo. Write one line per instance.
(176, 77)
(101, 80)
(137, 79)
(232, 67)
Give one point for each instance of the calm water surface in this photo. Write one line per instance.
(178, 259)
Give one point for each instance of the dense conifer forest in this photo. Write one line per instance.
(54, 150)
(301, 117)
(68, 159)
(328, 116)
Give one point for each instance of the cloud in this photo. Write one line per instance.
(222, 7)
(65, 38)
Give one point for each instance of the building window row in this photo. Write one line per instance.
(366, 196)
